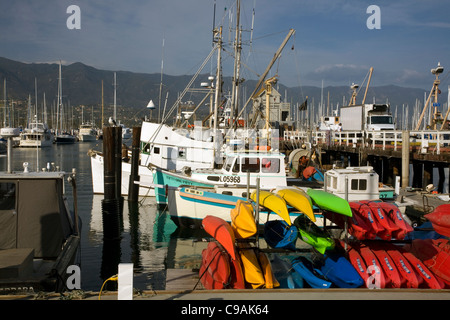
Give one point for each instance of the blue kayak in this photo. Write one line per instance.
(278, 234)
(340, 271)
(287, 278)
(310, 273)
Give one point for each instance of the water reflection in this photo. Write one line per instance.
(149, 239)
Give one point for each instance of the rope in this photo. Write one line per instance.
(113, 278)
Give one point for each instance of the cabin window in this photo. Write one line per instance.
(156, 150)
(236, 165)
(228, 163)
(7, 195)
(181, 153)
(250, 164)
(145, 148)
(328, 181)
(359, 184)
(270, 165)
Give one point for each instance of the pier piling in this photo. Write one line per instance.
(112, 202)
(133, 189)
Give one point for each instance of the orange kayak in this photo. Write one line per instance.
(221, 230)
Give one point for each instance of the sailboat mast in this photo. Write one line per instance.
(115, 84)
(161, 82)
(4, 102)
(102, 122)
(36, 100)
(59, 103)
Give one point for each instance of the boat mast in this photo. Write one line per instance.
(161, 82)
(4, 102)
(102, 122)
(59, 103)
(236, 71)
(218, 34)
(115, 85)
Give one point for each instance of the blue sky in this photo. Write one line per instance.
(332, 42)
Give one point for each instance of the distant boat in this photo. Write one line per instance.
(87, 132)
(126, 133)
(62, 136)
(36, 135)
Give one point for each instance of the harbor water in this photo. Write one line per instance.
(148, 237)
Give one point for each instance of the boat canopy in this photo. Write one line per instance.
(33, 213)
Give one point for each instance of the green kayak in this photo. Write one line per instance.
(313, 235)
(330, 202)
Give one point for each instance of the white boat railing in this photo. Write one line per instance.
(429, 141)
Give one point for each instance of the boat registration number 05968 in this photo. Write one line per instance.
(231, 179)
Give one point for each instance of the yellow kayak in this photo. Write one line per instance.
(256, 267)
(298, 199)
(253, 274)
(242, 220)
(274, 203)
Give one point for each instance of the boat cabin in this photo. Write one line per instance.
(173, 149)
(362, 183)
(267, 165)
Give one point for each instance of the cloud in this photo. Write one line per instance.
(339, 73)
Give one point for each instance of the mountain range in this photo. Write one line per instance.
(82, 85)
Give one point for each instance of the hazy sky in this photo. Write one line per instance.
(332, 43)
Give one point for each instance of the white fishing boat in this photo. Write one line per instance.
(356, 183)
(240, 168)
(170, 149)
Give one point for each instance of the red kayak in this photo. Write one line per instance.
(394, 214)
(372, 262)
(389, 268)
(355, 225)
(237, 274)
(215, 269)
(440, 219)
(221, 230)
(357, 262)
(435, 257)
(430, 281)
(382, 219)
(408, 275)
(365, 213)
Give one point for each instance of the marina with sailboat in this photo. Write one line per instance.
(251, 195)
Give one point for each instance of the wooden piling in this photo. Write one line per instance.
(109, 177)
(111, 204)
(133, 189)
(405, 159)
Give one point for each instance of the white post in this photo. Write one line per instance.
(125, 281)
